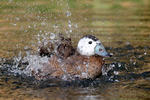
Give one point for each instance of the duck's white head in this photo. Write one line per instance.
(89, 45)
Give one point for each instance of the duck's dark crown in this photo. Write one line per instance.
(91, 37)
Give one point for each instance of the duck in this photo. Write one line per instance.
(69, 63)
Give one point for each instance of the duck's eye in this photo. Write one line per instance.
(99, 43)
(90, 42)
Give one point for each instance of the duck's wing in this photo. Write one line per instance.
(46, 50)
(65, 48)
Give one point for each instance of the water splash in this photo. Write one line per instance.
(43, 37)
(35, 63)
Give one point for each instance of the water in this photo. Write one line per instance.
(122, 27)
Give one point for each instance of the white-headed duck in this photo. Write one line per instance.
(68, 63)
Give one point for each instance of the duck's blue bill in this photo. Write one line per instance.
(100, 50)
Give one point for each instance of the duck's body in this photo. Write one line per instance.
(84, 63)
(73, 67)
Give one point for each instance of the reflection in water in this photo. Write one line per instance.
(123, 26)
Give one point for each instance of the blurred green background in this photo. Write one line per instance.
(113, 21)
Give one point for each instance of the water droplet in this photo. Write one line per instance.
(69, 25)
(112, 65)
(43, 23)
(14, 24)
(134, 63)
(70, 31)
(10, 0)
(116, 72)
(76, 25)
(29, 26)
(52, 36)
(17, 18)
(119, 64)
(127, 43)
(68, 13)
(55, 26)
(116, 80)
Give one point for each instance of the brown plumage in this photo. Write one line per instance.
(46, 50)
(73, 67)
(64, 48)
